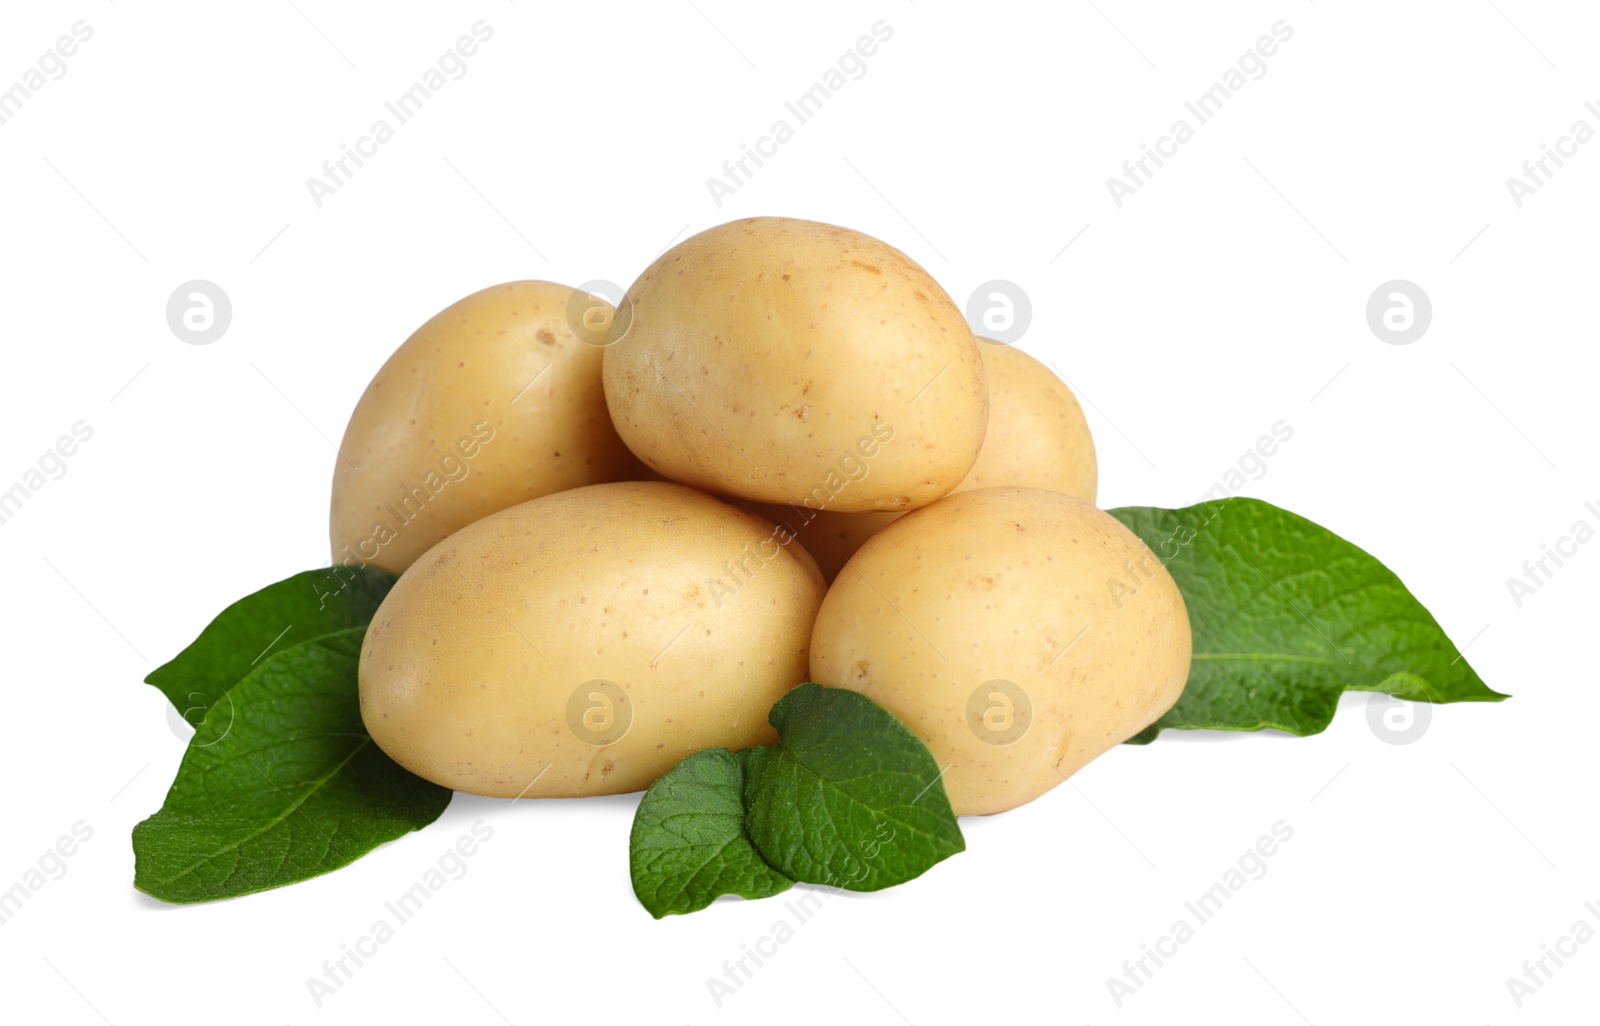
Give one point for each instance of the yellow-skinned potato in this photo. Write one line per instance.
(585, 642)
(831, 538)
(1037, 438)
(492, 402)
(790, 361)
(1019, 632)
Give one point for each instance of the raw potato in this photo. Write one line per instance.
(1003, 612)
(1037, 435)
(1037, 438)
(493, 402)
(790, 361)
(484, 670)
(831, 538)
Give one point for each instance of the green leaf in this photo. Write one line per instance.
(848, 797)
(279, 616)
(689, 845)
(1286, 615)
(281, 785)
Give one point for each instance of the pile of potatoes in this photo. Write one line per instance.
(623, 534)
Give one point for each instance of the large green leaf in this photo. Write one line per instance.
(848, 797)
(1286, 615)
(281, 785)
(279, 616)
(689, 845)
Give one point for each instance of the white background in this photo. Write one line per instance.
(1227, 294)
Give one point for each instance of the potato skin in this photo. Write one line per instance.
(1023, 585)
(450, 429)
(831, 538)
(783, 360)
(1037, 438)
(698, 611)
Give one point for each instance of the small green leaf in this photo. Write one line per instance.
(1286, 615)
(848, 797)
(689, 845)
(279, 616)
(280, 785)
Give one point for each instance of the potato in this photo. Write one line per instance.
(493, 402)
(1037, 435)
(831, 538)
(790, 361)
(1037, 438)
(1019, 632)
(585, 642)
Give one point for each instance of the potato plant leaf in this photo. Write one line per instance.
(689, 845)
(1286, 615)
(280, 785)
(279, 616)
(849, 797)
